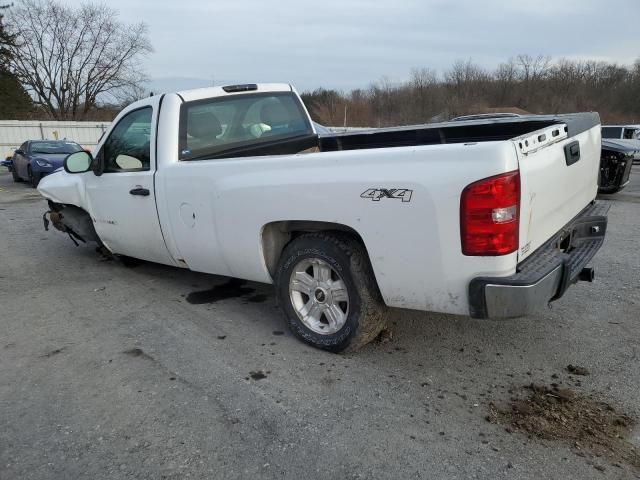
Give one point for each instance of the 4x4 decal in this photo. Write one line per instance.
(376, 194)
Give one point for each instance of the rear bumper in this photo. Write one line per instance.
(546, 274)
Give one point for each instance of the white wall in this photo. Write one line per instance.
(14, 132)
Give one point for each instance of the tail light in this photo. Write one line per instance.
(489, 215)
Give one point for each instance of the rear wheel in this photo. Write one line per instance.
(327, 290)
(14, 174)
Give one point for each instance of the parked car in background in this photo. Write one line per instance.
(627, 134)
(37, 158)
(616, 161)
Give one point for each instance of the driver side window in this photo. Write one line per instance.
(128, 147)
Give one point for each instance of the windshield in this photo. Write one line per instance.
(55, 147)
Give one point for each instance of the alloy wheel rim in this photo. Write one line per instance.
(319, 296)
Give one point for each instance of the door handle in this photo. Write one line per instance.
(143, 192)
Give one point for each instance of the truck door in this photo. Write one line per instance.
(122, 200)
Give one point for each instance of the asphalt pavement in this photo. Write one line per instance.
(108, 371)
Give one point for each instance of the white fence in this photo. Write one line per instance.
(14, 132)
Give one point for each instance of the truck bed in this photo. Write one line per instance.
(482, 130)
(469, 131)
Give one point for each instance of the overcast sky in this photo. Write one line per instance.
(347, 44)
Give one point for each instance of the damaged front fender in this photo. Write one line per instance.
(68, 207)
(64, 188)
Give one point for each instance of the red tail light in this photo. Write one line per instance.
(489, 215)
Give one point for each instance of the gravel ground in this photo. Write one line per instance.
(108, 372)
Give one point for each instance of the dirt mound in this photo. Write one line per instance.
(587, 425)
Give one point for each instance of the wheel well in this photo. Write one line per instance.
(75, 219)
(276, 235)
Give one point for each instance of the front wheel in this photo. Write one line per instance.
(34, 178)
(327, 290)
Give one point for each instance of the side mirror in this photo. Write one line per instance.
(78, 162)
(19, 152)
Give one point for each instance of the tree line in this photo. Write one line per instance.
(534, 84)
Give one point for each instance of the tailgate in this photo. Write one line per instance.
(559, 177)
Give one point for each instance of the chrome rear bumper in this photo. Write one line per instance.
(546, 274)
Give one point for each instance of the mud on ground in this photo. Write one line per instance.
(589, 426)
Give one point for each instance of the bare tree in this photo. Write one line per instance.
(70, 59)
(424, 93)
(533, 68)
(15, 102)
(467, 84)
(505, 78)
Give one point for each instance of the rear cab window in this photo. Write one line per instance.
(237, 125)
(612, 132)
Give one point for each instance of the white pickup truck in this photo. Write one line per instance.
(487, 218)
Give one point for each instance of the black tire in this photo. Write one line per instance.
(33, 179)
(366, 315)
(14, 174)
